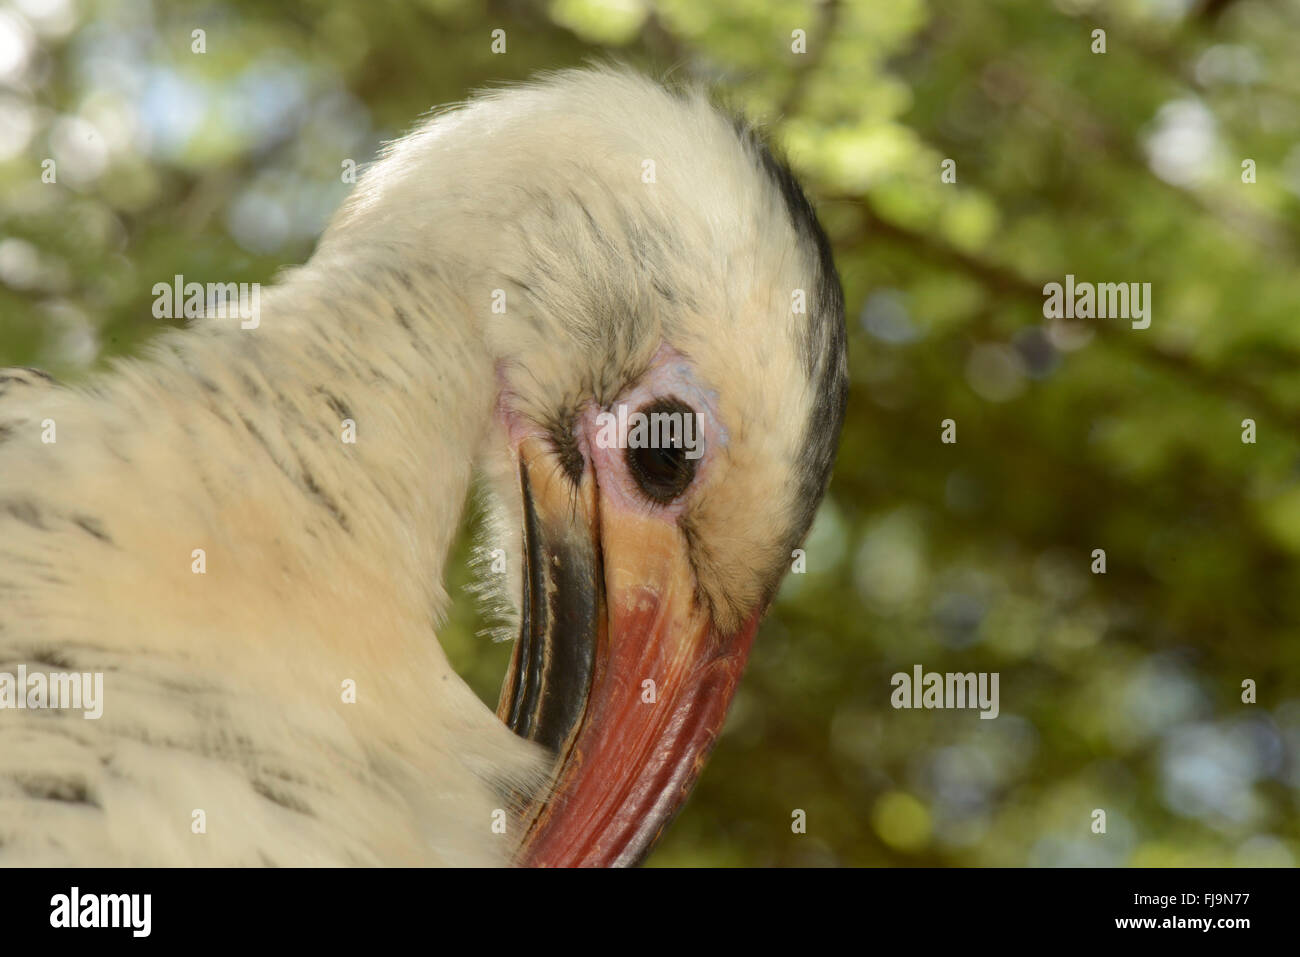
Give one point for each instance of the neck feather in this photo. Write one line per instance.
(365, 386)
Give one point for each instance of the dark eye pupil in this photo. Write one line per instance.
(662, 469)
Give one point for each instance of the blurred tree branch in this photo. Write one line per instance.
(1211, 10)
(1008, 283)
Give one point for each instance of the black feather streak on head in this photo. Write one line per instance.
(821, 341)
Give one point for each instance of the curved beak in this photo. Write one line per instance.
(618, 669)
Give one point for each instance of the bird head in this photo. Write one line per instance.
(666, 325)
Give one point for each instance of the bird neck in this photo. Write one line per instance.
(369, 388)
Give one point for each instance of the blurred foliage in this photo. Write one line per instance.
(1119, 691)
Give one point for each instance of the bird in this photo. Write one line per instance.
(244, 530)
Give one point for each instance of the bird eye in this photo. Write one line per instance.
(664, 445)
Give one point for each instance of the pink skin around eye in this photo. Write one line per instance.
(670, 376)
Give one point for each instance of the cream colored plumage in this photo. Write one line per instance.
(223, 690)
